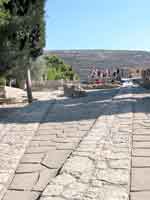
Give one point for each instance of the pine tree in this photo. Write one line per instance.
(22, 33)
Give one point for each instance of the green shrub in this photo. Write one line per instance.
(57, 69)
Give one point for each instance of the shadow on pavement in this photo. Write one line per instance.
(84, 108)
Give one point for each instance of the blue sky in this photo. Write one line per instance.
(98, 24)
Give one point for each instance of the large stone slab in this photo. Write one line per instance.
(141, 152)
(140, 161)
(32, 158)
(39, 149)
(28, 168)
(141, 138)
(41, 143)
(45, 177)
(145, 195)
(140, 179)
(55, 158)
(21, 195)
(141, 144)
(24, 181)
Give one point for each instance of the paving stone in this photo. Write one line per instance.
(44, 137)
(79, 167)
(3, 190)
(113, 176)
(40, 149)
(141, 131)
(45, 176)
(6, 178)
(16, 139)
(53, 190)
(115, 155)
(140, 179)
(55, 158)
(141, 144)
(140, 161)
(52, 198)
(28, 168)
(141, 138)
(21, 195)
(24, 181)
(141, 152)
(107, 192)
(74, 191)
(32, 158)
(119, 164)
(41, 143)
(140, 195)
(66, 146)
(47, 131)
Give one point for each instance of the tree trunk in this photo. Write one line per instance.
(29, 89)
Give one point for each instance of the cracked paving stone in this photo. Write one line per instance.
(115, 155)
(21, 195)
(75, 191)
(119, 164)
(78, 166)
(107, 192)
(3, 190)
(24, 181)
(55, 158)
(113, 176)
(5, 178)
(45, 177)
(55, 188)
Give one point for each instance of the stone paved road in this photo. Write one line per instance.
(140, 179)
(82, 149)
(18, 124)
(99, 169)
(55, 138)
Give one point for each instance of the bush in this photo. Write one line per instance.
(57, 69)
(2, 81)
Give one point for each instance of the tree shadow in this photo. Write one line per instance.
(75, 109)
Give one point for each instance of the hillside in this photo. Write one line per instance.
(82, 60)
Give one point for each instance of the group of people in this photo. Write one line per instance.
(99, 75)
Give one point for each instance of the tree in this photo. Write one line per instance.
(57, 69)
(22, 35)
(4, 15)
(39, 69)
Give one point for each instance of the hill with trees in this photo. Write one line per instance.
(82, 60)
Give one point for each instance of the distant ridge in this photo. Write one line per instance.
(82, 60)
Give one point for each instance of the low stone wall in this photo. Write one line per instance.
(73, 91)
(50, 84)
